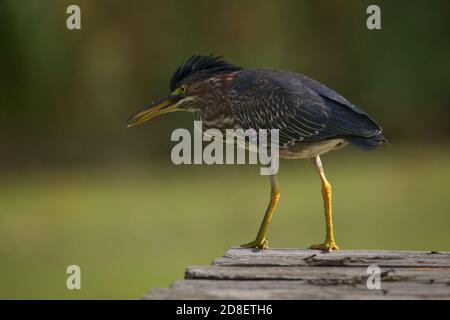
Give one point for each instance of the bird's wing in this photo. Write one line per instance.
(300, 108)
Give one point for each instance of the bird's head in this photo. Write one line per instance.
(189, 88)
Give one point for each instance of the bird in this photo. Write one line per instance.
(311, 118)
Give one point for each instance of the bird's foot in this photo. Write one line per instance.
(327, 246)
(259, 244)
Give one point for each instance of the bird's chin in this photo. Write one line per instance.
(190, 109)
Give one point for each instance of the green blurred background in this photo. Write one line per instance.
(77, 187)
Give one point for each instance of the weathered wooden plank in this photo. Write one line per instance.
(291, 289)
(319, 275)
(357, 258)
(311, 274)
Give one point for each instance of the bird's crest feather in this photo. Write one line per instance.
(207, 65)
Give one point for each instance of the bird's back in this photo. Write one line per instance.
(305, 111)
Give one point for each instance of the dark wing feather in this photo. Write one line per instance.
(301, 108)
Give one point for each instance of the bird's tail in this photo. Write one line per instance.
(368, 143)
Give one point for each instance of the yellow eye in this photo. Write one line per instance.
(179, 90)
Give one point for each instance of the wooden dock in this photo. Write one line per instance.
(311, 274)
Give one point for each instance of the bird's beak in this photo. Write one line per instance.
(157, 108)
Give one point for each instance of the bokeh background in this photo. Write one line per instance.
(78, 187)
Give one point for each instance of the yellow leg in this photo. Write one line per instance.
(330, 243)
(261, 241)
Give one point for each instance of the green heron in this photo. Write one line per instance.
(311, 118)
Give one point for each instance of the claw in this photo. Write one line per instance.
(327, 246)
(260, 244)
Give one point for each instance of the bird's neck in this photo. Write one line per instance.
(215, 112)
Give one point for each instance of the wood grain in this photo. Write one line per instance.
(298, 257)
(310, 274)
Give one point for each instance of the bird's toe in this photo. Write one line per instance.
(327, 246)
(259, 244)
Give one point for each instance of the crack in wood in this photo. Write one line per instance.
(302, 274)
